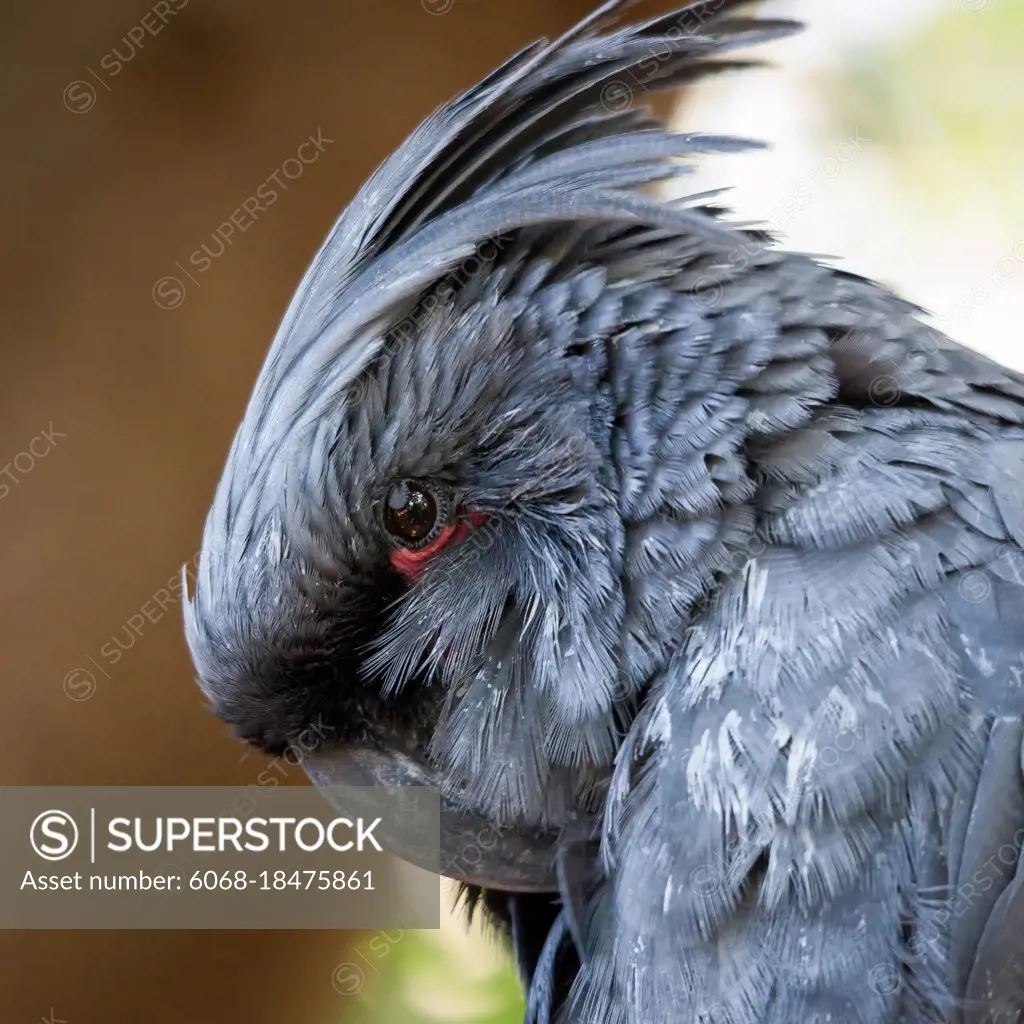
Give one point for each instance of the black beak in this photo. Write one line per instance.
(473, 849)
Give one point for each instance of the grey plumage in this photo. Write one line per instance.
(738, 618)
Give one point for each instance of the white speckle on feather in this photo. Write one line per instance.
(984, 663)
(803, 753)
(979, 657)
(1018, 675)
(732, 721)
(838, 707)
(874, 697)
(660, 729)
(782, 734)
(756, 585)
(809, 849)
(667, 900)
(700, 763)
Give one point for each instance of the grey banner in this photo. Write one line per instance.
(220, 857)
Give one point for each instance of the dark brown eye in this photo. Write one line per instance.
(412, 514)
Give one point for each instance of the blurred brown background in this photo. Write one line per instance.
(130, 134)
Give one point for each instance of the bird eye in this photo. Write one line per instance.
(413, 513)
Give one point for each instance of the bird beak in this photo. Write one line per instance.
(473, 849)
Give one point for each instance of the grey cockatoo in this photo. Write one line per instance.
(686, 566)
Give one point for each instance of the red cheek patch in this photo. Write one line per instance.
(411, 563)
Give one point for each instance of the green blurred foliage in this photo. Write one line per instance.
(941, 101)
(424, 978)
